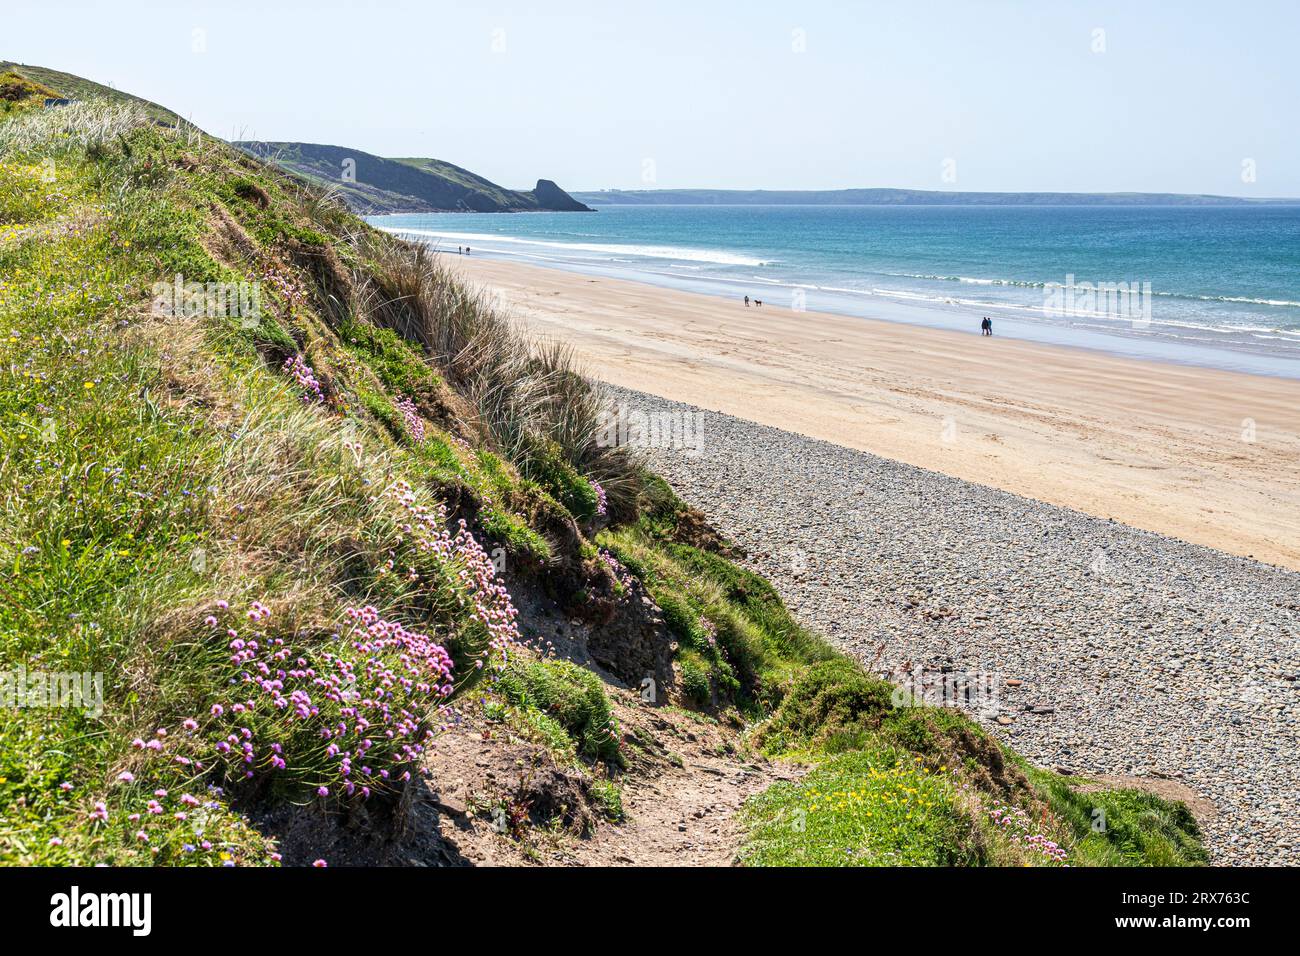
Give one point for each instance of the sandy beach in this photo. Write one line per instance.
(1208, 456)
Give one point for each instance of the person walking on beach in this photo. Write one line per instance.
(747, 302)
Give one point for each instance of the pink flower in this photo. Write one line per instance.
(126, 776)
(320, 863)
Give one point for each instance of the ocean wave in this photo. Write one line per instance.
(1287, 333)
(1032, 284)
(715, 256)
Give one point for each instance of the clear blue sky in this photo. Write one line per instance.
(1015, 94)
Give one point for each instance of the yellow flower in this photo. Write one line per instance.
(89, 385)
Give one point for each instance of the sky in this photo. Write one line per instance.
(804, 94)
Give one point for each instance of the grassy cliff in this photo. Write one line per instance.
(372, 185)
(299, 501)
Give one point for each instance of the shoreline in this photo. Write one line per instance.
(1163, 340)
(1199, 454)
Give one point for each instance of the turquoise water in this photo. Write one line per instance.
(1209, 286)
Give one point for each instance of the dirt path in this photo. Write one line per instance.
(687, 777)
(683, 815)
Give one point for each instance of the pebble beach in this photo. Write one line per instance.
(1114, 651)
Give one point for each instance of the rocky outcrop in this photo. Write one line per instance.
(551, 197)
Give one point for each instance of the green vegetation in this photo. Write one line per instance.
(472, 182)
(153, 463)
(209, 505)
(893, 782)
(834, 707)
(1122, 827)
(372, 185)
(738, 644)
(17, 92)
(570, 696)
(55, 84)
(865, 808)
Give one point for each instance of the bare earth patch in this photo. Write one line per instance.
(686, 778)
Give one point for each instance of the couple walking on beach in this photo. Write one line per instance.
(986, 326)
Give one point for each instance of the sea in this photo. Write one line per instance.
(1214, 286)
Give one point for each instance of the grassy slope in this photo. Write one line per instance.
(68, 86)
(388, 185)
(508, 198)
(153, 466)
(400, 185)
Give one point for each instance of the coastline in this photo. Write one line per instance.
(1204, 455)
(1233, 329)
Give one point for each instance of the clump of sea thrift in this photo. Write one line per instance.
(411, 419)
(486, 596)
(351, 717)
(710, 631)
(621, 574)
(343, 718)
(1019, 828)
(306, 379)
(601, 504)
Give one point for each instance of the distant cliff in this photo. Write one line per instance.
(898, 197)
(373, 185)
